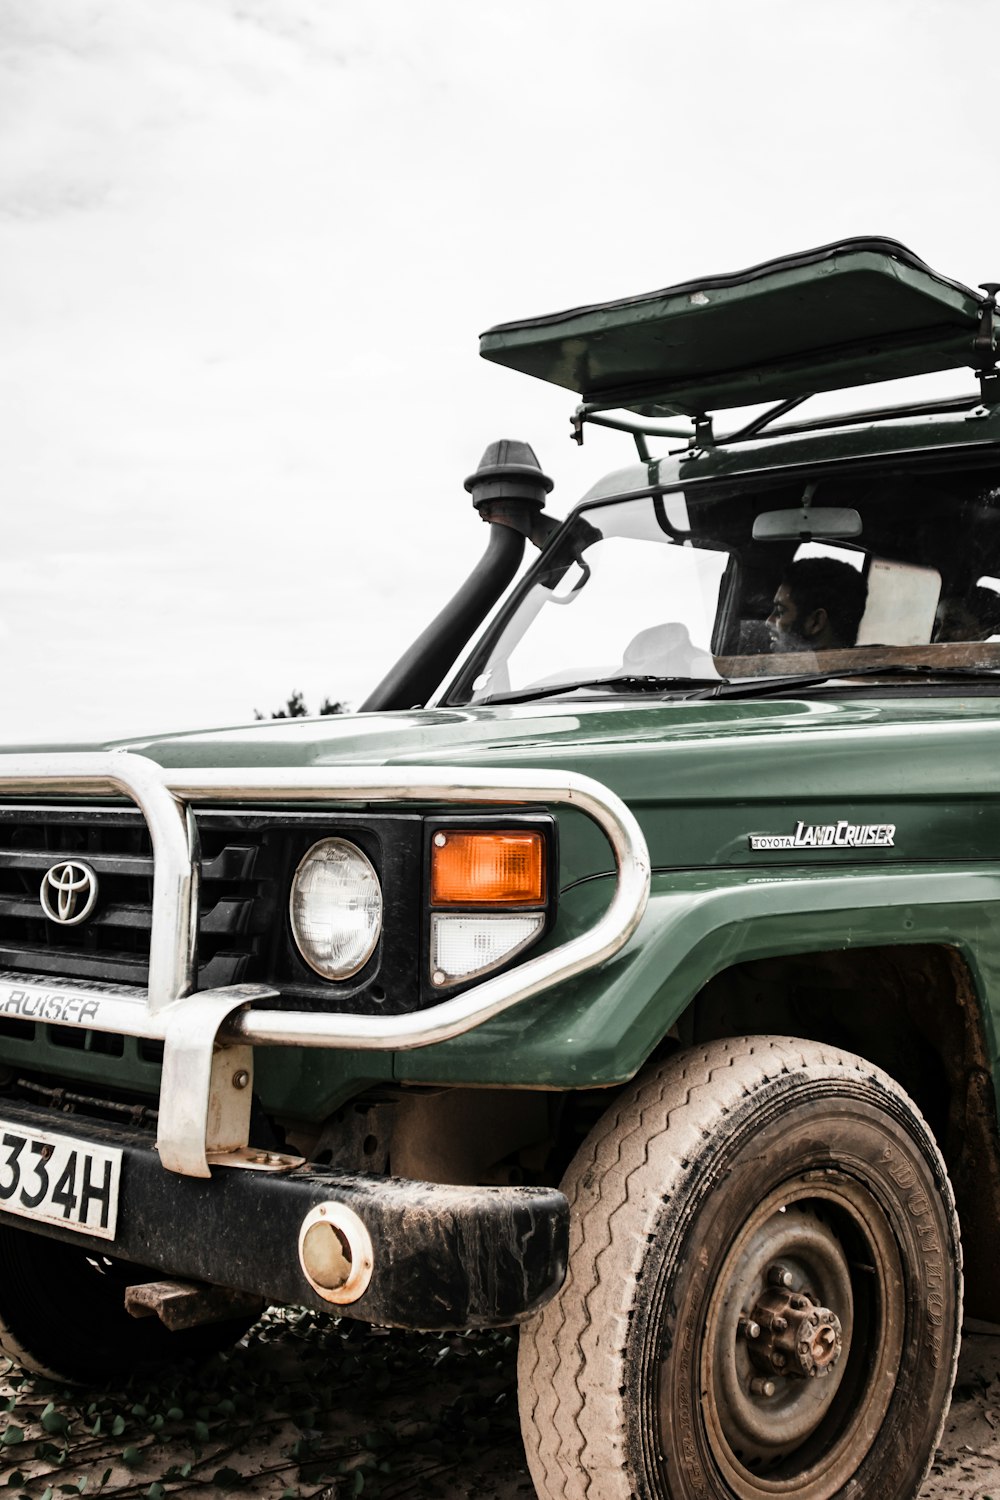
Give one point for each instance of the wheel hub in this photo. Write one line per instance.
(791, 1333)
(781, 1336)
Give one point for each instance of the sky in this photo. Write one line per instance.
(248, 246)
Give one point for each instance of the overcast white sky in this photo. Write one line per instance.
(247, 246)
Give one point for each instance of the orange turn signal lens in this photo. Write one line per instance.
(504, 868)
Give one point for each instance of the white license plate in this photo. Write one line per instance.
(59, 1180)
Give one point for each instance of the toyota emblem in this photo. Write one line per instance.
(68, 893)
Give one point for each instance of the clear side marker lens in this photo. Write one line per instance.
(463, 946)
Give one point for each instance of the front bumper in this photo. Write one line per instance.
(443, 1257)
(209, 1035)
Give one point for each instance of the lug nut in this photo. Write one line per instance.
(779, 1275)
(761, 1387)
(749, 1329)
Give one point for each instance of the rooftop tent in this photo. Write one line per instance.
(846, 314)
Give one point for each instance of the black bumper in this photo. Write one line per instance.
(444, 1257)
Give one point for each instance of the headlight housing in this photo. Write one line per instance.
(335, 907)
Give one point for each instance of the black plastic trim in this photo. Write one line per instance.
(445, 1257)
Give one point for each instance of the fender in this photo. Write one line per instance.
(599, 1029)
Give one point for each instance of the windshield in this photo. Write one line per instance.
(724, 586)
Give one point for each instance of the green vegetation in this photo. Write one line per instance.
(305, 1406)
(295, 708)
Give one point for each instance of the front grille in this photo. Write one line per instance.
(113, 943)
(248, 859)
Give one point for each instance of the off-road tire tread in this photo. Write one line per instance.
(570, 1359)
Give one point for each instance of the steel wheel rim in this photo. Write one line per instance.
(837, 1242)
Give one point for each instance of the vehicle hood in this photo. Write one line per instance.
(700, 776)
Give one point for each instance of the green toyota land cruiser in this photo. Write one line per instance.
(639, 985)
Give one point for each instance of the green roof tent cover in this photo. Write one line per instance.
(846, 314)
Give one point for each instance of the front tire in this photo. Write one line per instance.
(764, 1289)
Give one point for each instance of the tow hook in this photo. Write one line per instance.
(188, 1304)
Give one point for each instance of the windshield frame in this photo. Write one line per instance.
(965, 456)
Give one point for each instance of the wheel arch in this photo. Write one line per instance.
(905, 956)
(598, 1029)
(914, 1010)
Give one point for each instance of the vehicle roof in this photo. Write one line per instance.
(846, 314)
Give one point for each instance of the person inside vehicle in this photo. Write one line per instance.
(817, 607)
(974, 616)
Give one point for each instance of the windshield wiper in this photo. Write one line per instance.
(781, 684)
(627, 683)
(725, 687)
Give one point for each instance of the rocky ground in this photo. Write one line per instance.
(310, 1408)
(967, 1466)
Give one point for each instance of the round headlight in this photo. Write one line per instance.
(336, 908)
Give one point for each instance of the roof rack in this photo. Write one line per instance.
(701, 434)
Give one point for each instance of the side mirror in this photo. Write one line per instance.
(804, 525)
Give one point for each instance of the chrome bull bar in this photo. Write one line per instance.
(209, 1035)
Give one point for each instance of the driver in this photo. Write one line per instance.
(817, 607)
